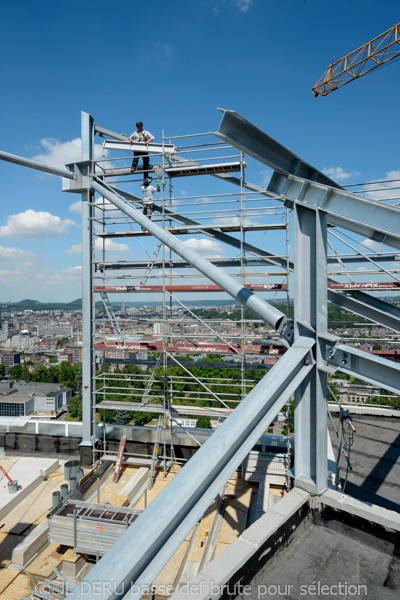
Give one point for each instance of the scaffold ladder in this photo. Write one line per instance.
(151, 380)
(155, 454)
(110, 314)
(151, 263)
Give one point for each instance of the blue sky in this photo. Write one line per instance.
(171, 65)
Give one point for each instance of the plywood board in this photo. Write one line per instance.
(44, 563)
(169, 573)
(235, 517)
(20, 585)
(6, 577)
(202, 533)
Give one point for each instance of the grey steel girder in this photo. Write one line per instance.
(368, 306)
(35, 164)
(376, 370)
(265, 311)
(212, 232)
(162, 527)
(236, 130)
(116, 136)
(366, 217)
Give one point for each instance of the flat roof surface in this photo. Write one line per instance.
(347, 562)
(14, 399)
(375, 458)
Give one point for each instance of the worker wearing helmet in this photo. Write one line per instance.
(141, 136)
(148, 200)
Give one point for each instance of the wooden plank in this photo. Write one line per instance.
(20, 585)
(6, 577)
(168, 575)
(43, 564)
(235, 518)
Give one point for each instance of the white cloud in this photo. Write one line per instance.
(73, 271)
(372, 245)
(76, 207)
(35, 225)
(337, 173)
(386, 191)
(204, 245)
(266, 175)
(244, 5)
(165, 47)
(60, 154)
(16, 254)
(109, 245)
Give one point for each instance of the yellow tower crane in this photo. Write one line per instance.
(368, 57)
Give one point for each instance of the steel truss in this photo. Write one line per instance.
(312, 353)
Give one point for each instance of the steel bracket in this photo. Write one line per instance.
(339, 358)
(82, 179)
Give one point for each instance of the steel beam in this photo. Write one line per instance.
(236, 130)
(378, 371)
(369, 218)
(310, 306)
(368, 306)
(163, 526)
(265, 311)
(35, 164)
(116, 136)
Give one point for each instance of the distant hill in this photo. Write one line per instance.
(35, 305)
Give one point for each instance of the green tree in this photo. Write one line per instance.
(122, 417)
(75, 408)
(15, 372)
(142, 418)
(2, 370)
(203, 422)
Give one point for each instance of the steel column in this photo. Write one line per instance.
(87, 140)
(310, 302)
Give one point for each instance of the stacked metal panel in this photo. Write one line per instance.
(88, 527)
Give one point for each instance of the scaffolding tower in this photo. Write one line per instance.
(159, 338)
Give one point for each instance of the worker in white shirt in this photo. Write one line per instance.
(141, 135)
(148, 200)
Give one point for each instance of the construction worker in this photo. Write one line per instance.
(148, 200)
(141, 135)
